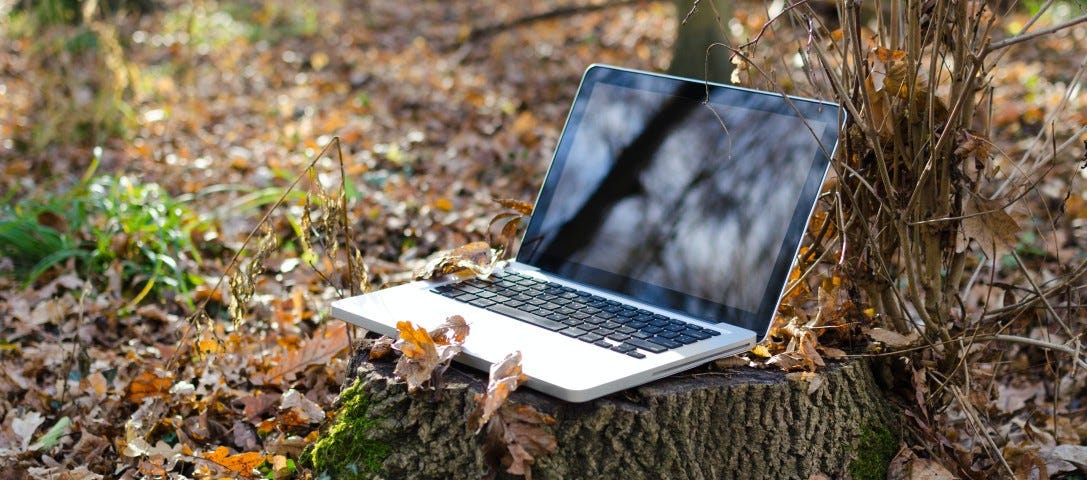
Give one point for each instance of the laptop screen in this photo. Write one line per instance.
(683, 195)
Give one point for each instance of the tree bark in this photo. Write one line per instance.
(702, 24)
(735, 423)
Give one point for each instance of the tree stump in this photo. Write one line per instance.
(736, 423)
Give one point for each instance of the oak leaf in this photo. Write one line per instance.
(990, 226)
(891, 338)
(505, 377)
(242, 463)
(476, 257)
(149, 384)
(317, 350)
(523, 436)
(423, 358)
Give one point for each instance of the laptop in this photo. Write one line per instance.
(661, 239)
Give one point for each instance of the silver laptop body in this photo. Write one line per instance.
(662, 237)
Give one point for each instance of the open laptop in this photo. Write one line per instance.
(661, 239)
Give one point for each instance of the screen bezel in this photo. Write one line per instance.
(716, 95)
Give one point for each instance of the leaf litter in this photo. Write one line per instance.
(427, 149)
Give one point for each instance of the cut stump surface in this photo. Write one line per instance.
(733, 423)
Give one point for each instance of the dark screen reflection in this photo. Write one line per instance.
(660, 194)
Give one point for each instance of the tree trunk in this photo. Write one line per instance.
(736, 423)
(702, 23)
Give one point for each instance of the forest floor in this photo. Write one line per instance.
(140, 151)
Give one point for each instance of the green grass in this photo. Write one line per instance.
(105, 222)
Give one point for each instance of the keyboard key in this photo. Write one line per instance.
(590, 338)
(528, 317)
(646, 345)
(482, 302)
(573, 332)
(636, 354)
(698, 334)
(623, 348)
(686, 340)
(664, 342)
(618, 337)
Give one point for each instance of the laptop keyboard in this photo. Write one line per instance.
(575, 313)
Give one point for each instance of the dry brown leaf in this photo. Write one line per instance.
(476, 257)
(908, 466)
(423, 360)
(382, 348)
(525, 437)
(453, 330)
(524, 208)
(990, 226)
(314, 351)
(890, 338)
(505, 377)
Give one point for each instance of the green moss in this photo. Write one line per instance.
(874, 450)
(347, 449)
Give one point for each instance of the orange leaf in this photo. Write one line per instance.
(149, 384)
(455, 326)
(524, 208)
(244, 463)
(423, 360)
(315, 351)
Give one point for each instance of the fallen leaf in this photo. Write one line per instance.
(453, 330)
(1064, 458)
(52, 436)
(382, 348)
(317, 350)
(890, 338)
(149, 384)
(476, 257)
(242, 463)
(505, 377)
(906, 465)
(297, 410)
(525, 437)
(25, 426)
(986, 222)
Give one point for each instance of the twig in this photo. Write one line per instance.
(979, 427)
(1007, 42)
(1074, 353)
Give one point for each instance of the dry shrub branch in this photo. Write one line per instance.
(928, 214)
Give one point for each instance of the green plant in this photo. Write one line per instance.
(348, 449)
(78, 67)
(874, 450)
(106, 222)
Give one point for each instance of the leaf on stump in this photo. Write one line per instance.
(505, 377)
(382, 348)
(524, 436)
(423, 359)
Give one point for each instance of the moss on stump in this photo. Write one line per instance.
(736, 423)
